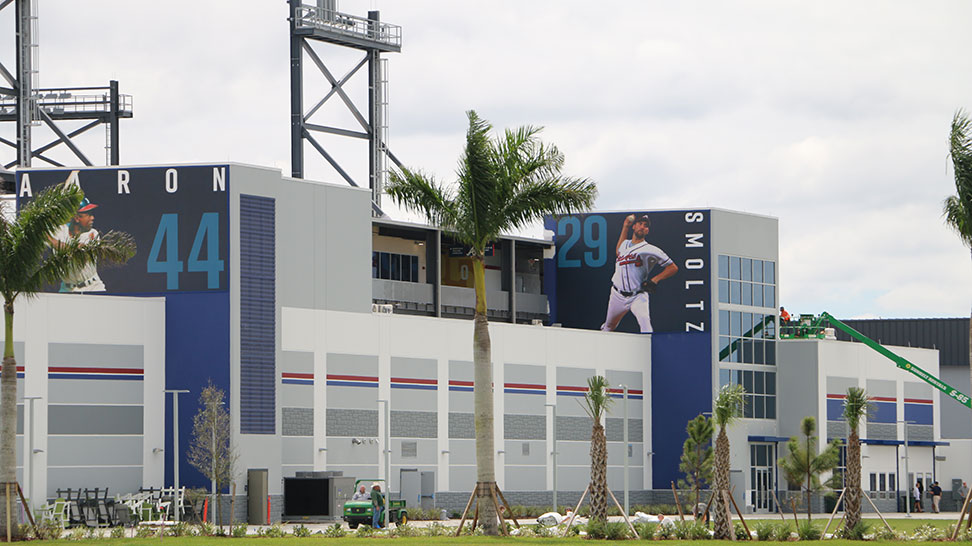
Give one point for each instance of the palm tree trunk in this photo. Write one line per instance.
(8, 413)
(810, 456)
(598, 473)
(483, 400)
(852, 486)
(722, 527)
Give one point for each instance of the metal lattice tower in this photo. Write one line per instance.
(323, 23)
(28, 105)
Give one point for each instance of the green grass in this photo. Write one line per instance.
(193, 541)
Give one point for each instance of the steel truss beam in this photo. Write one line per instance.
(302, 18)
(30, 107)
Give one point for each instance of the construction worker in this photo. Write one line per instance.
(784, 316)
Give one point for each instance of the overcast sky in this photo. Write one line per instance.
(831, 116)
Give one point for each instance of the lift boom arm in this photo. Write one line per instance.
(902, 363)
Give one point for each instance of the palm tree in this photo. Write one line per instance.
(726, 408)
(503, 185)
(803, 465)
(597, 401)
(958, 207)
(696, 461)
(856, 407)
(27, 263)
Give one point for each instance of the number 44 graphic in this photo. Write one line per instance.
(168, 234)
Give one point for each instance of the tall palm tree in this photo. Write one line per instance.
(958, 207)
(856, 407)
(503, 184)
(726, 408)
(27, 263)
(597, 401)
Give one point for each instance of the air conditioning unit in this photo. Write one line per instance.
(382, 308)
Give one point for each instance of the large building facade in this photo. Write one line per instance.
(277, 290)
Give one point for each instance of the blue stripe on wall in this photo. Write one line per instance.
(884, 412)
(681, 389)
(257, 315)
(921, 414)
(835, 409)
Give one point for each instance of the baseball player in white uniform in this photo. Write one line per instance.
(81, 228)
(631, 285)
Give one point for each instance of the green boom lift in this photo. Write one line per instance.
(811, 327)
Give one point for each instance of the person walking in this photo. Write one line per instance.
(916, 493)
(936, 495)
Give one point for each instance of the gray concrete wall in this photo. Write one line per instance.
(955, 422)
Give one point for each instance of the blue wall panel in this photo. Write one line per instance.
(197, 352)
(681, 388)
(258, 374)
(883, 412)
(835, 409)
(921, 414)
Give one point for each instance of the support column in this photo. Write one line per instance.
(296, 97)
(374, 115)
(24, 91)
(113, 123)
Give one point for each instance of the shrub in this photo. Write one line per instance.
(206, 529)
(646, 530)
(928, 532)
(48, 530)
(335, 531)
(365, 531)
(611, 530)
(301, 531)
(406, 530)
(273, 531)
(853, 533)
(239, 530)
(93, 533)
(782, 531)
(808, 531)
(764, 530)
(436, 529)
(884, 534)
(664, 532)
(144, 531)
(741, 533)
(180, 529)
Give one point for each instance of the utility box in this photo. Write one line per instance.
(316, 496)
(257, 496)
(417, 487)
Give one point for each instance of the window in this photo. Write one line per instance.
(747, 281)
(747, 338)
(395, 267)
(760, 397)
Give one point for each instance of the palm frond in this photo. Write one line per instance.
(28, 235)
(957, 209)
(597, 400)
(113, 247)
(477, 195)
(549, 196)
(857, 405)
(728, 404)
(420, 193)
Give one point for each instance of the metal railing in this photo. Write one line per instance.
(350, 25)
(71, 100)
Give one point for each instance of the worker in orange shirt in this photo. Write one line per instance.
(784, 316)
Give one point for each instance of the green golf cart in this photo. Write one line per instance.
(359, 512)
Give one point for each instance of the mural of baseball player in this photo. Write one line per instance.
(632, 283)
(81, 228)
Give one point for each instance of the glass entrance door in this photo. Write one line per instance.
(761, 473)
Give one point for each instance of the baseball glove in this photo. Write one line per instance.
(649, 286)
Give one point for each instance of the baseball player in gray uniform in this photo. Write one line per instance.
(80, 228)
(631, 285)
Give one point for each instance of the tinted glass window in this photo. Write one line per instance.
(747, 293)
(734, 268)
(724, 322)
(723, 267)
(746, 268)
(384, 264)
(396, 267)
(769, 296)
(769, 272)
(735, 293)
(723, 291)
(758, 270)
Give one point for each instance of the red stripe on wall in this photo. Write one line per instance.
(63, 369)
(884, 399)
(566, 388)
(414, 381)
(621, 391)
(525, 386)
(291, 375)
(352, 377)
(918, 401)
(456, 383)
(836, 396)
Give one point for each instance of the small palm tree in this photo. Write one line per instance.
(803, 465)
(503, 185)
(725, 410)
(27, 264)
(958, 207)
(597, 401)
(857, 405)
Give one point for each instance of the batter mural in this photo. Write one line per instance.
(632, 271)
(177, 216)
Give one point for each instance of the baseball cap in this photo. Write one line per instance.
(86, 205)
(643, 218)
